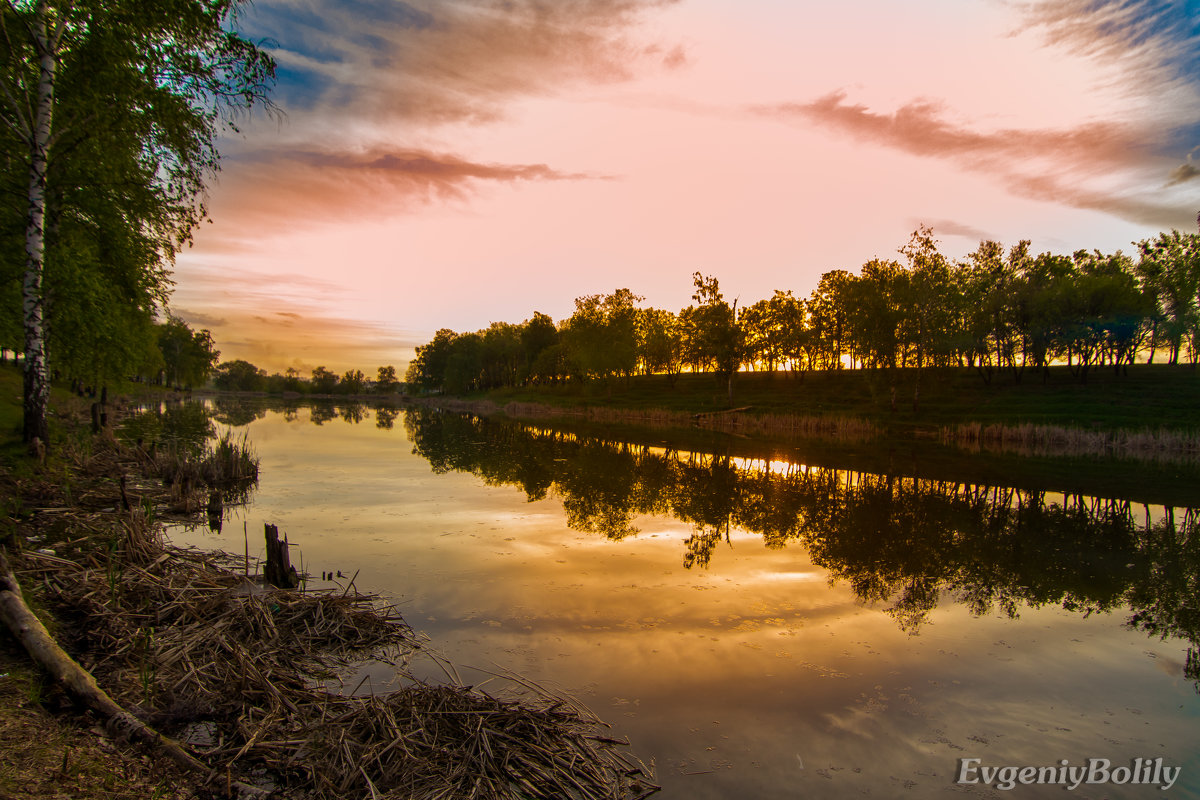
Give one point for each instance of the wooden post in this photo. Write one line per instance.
(279, 570)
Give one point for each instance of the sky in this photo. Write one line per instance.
(450, 163)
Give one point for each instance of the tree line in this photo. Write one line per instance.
(242, 376)
(997, 311)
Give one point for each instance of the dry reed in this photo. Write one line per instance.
(1028, 439)
(732, 421)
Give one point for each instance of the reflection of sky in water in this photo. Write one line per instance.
(753, 678)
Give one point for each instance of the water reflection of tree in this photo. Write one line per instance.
(320, 413)
(597, 487)
(385, 417)
(1166, 598)
(900, 542)
(353, 412)
(237, 411)
(186, 426)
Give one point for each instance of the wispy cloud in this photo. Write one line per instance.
(424, 167)
(949, 227)
(286, 189)
(450, 60)
(278, 321)
(1150, 46)
(1157, 36)
(366, 85)
(1074, 167)
(1185, 171)
(920, 128)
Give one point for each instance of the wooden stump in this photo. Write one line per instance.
(279, 570)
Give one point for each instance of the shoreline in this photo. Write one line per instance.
(238, 673)
(1148, 414)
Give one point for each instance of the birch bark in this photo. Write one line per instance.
(37, 384)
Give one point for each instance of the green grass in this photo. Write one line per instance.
(13, 452)
(1149, 396)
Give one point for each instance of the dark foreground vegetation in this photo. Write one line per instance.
(235, 681)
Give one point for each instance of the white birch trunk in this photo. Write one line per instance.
(37, 384)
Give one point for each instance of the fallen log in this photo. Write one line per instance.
(42, 648)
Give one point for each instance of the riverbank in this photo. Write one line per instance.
(1154, 395)
(1147, 412)
(244, 676)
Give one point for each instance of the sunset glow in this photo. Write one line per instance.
(452, 163)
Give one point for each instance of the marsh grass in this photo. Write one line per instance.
(1040, 440)
(227, 463)
(741, 421)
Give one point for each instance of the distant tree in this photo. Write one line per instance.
(715, 339)
(352, 382)
(787, 317)
(1106, 313)
(928, 306)
(773, 330)
(323, 381)
(464, 364)
(385, 381)
(1169, 270)
(427, 370)
(601, 336)
(928, 303)
(538, 334)
(502, 356)
(188, 356)
(239, 376)
(660, 343)
(1048, 290)
(874, 316)
(828, 319)
(292, 382)
(550, 364)
(982, 322)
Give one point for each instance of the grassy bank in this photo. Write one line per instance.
(1154, 396)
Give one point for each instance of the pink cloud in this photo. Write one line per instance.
(1053, 165)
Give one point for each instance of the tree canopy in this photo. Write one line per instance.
(109, 115)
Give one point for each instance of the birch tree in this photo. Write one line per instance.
(116, 108)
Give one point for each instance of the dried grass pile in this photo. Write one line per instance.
(238, 671)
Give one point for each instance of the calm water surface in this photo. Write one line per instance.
(759, 627)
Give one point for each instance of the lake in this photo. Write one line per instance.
(757, 620)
